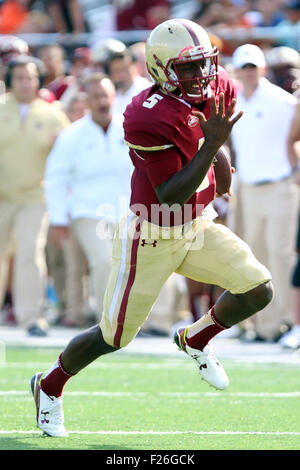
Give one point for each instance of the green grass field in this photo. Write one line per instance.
(129, 402)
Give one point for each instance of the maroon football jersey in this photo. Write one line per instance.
(163, 136)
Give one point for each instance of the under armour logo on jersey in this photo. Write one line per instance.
(153, 244)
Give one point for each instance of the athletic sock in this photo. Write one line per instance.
(195, 311)
(54, 380)
(199, 333)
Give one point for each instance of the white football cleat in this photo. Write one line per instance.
(291, 339)
(209, 367)
(49, 411)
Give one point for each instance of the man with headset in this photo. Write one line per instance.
(28, 128)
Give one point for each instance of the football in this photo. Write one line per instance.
(223, 172)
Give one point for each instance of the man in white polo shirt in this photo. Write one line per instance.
(123, 71)
(268, 195)
(88, 181)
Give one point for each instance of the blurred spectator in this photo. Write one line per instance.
(47, 95)
(80, 68)
(266, 13)
(70, 276)
(16, 17)
(88, 181)
(28, 129)
(292, 338)
(138, 53)
(222, 12)
(292, 11)
(102, 50)
(66, 15)
(6, 287)
(293, 145)
(216, 41)
(56, 79)
(123, 71)
(284, 67)
(10, 47)
(68, 266)
(80, 62)
(76, 107)
(141, 14)
(292, 18)
(13, 16)
(235, 13)
(269, 197)
(208, 13)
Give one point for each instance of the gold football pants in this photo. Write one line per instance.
(145, 255)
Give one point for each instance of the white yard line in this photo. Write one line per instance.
(176, 364)
(104, 365)
(127, 433)
(13, 393)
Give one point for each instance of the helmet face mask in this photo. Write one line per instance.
(207, 71)
(171, 71)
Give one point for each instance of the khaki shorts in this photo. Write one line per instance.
(145, 255)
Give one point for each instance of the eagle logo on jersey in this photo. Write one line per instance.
(192, 121)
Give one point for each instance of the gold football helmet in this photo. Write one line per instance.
(180, 41)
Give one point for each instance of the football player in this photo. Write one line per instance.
(173, 130)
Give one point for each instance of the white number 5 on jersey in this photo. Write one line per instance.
(151, 102)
